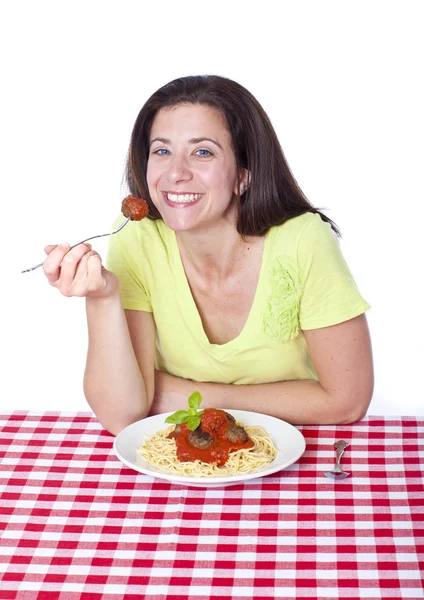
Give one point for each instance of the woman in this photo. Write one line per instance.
(234, 286)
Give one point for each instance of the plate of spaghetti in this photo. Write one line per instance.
(225, 447)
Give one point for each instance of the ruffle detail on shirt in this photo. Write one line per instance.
(281, 317)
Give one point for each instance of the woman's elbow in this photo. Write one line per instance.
(356, 407)
(115, 426)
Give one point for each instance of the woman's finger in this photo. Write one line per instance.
(84, 273)
(69, 266)
(95, 279)
(51, 265)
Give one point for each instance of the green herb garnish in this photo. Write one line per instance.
(190, 416)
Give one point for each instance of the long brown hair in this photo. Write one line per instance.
(273, 195)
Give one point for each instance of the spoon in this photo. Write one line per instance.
(337, 472)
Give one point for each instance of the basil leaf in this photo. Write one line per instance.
(190, 416)
(178, 417)
(193, 423)
(195, 400)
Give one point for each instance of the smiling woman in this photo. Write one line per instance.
(234, 285)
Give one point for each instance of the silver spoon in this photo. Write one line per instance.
(337, 472)
(90, 238)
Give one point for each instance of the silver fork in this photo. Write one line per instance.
(337, 472)
(83, 241)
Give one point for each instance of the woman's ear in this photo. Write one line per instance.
(243, 183)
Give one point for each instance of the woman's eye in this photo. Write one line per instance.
(161, 151)
(203, 152)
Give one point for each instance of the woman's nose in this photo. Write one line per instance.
(179, 169)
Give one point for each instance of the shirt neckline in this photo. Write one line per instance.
(192, 315)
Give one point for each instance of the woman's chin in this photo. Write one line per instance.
(178, 224)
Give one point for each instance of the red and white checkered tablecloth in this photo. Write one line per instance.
(76, 524)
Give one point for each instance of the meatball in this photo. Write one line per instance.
(200, 439)
(236, 434)
(213, 419)
(134, 208)
(230, 417)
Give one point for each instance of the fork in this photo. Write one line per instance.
(83, 241)
(337, 472)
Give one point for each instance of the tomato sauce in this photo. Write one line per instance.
(215, 422)
(134, 208)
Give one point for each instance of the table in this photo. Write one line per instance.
(76, 523)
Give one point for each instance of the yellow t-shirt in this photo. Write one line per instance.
(304, 283)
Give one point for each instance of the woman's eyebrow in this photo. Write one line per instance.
(204, 139)
(163, 140)
(192, 141)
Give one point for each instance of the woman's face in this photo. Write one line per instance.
(191, 171)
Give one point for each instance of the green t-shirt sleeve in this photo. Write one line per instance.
(329, 293)
(124, 259)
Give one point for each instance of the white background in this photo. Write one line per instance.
(341, 82)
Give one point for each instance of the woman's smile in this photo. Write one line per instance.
(181, 199)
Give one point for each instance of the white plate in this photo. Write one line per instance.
(289, 441)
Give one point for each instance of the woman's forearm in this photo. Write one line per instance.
(299, 402)
(113, 384)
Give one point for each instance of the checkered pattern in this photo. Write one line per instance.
(77, 524)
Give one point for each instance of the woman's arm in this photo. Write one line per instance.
(119, 374)
(342, 357)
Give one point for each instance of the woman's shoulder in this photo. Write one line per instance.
(307, 226)
(306, 221)
(300, 238)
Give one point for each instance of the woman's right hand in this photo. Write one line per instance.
(78, 272)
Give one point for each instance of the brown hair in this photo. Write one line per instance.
(273, 195)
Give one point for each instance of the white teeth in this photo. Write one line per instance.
(183, 197)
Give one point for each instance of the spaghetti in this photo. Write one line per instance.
(160, 451)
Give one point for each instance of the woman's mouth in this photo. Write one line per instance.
(181, 199)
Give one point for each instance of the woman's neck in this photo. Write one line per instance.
(216, 252)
